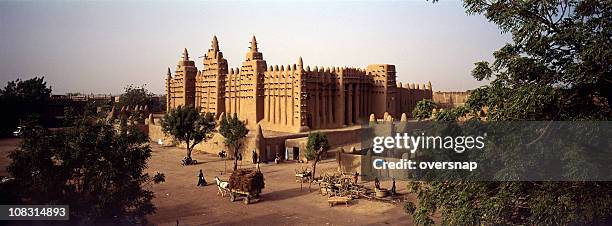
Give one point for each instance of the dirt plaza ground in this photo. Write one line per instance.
(283, 202)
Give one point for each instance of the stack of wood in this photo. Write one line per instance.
(246, 180)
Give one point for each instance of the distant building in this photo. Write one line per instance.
(58, 103)
(85, 97)
(290, 98)
(450, 99)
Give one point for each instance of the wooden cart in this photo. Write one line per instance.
(247, 196)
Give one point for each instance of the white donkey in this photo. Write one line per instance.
(223, 186)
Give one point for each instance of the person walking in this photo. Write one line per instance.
(201, 180)
(255, 158)
(393, 188)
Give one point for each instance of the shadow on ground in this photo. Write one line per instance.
(284, 194)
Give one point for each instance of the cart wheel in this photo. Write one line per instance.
(232, 197)
(247, 200)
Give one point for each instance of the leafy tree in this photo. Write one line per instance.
(139, 95)
(556, 68)
(316, 147)
(423, 109)
(233, 130)
(135, 95)
(93, 167)
(159, 104)
(23, 102)
(70, 116)
(451, 114)
(186, 124)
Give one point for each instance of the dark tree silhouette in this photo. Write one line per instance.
(95, 168)
(557, 68)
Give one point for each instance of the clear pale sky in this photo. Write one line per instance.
(100, 47)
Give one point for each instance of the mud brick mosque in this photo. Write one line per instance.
(290, 100)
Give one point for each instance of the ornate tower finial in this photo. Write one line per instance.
(185, 55)
(169, 74)
(300, 63)
(215, 43)
(254, 44)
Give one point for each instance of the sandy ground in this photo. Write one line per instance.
(283, 202)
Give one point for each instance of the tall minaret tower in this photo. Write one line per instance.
(211, 80)
(299, 89)
(186, 72)
(168, 90)
(251, 88)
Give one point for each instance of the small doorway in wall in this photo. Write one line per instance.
(296, 153)
(269, 155)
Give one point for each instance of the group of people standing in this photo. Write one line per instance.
(393, 188)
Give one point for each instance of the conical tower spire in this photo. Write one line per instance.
(215, 43)
(300, 62)
(254, 44)
(185, 55)
(169, 74)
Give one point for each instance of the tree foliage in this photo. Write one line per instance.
(423, 109)
(95, 168)
(139, 95)
(135, 95)
(556, 68)
(23, 102)
(186, 124)
(451, 114)
(317, 146)
(233, 130)
(70, 116)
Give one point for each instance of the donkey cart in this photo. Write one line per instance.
(247, 184)
(248, 197)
